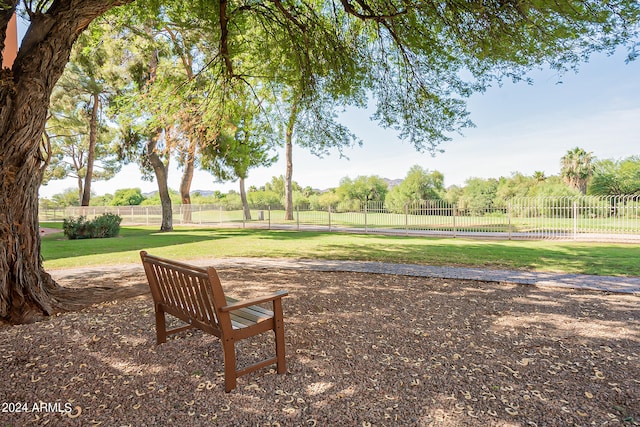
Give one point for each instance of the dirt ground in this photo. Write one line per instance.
(362, 349)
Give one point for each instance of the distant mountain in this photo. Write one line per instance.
(392, 182)
(203, 193)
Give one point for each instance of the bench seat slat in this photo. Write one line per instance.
(249, 315)
(241, 321)
(231, 300)
(252, 315)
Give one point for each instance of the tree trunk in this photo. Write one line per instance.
(245, 203)
(185, 184)
(24, 285)
(187, 175)
(583, 186)
(91, 155)
(25, 288)
(80, 187)
(288, 181)
(160, 169)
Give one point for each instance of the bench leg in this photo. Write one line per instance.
(161, 327)
(279, 332)
(229, 352)
(282, 362)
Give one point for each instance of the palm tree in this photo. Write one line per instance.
(539, 176)
(577, 168)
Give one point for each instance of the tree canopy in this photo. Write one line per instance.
(417, 60)
(362, 189)
(616, 177)
(419, 184)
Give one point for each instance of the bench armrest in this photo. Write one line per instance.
(254, 301)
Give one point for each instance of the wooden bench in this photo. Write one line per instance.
(195, 296)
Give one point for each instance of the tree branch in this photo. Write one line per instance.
(305, 37)
(371, 15)
(224, 38)
(184, 54)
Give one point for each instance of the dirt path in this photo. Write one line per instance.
(363, 349)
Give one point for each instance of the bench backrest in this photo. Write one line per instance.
(191, 293)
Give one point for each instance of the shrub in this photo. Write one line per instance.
(105, 225)
(76, 228)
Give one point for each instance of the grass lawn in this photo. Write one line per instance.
(192, 243)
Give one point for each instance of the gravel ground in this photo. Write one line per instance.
(363, 349)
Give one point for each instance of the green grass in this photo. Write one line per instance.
(193, 243)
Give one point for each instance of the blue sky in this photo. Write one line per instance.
(519, 127)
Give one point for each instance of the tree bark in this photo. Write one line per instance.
(185, 184)
(288, 181)
(187, 175)
(245, 203)
(91, 155)
(160, 169)
(25, 288)
(80, 187)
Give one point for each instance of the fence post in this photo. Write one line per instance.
(329, 211)
(509, 219)
(365, 218)
(297, 218)
(541, 223)
(406, 219)
(269, 214)
(575, 219)
(455, 230)
(220, 216)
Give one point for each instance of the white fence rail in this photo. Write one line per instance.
(568, 218)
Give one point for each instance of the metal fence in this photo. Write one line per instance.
(568, 218)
